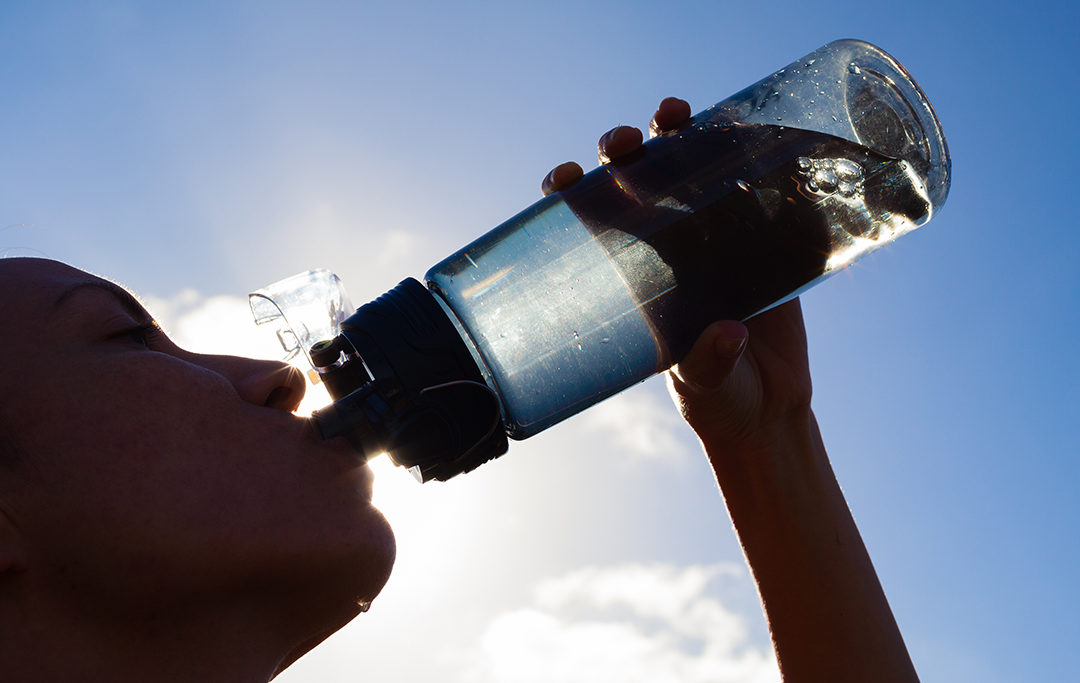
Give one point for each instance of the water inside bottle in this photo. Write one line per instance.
(612, 280)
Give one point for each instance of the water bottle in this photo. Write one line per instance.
(597, 287)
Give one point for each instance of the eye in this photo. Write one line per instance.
(145, 335)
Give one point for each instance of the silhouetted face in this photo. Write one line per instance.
(159, 481)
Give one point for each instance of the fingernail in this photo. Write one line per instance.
(602, 146)
(547, 185)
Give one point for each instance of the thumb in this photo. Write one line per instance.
(712, 358)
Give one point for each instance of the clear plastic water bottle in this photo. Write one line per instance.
(597, 287)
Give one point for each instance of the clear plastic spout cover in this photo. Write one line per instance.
(307, 307)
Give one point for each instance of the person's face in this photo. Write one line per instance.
(157, 479)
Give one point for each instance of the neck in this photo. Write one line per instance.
(54, 642)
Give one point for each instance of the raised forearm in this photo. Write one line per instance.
(827, 613)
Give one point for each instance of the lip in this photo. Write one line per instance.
(338, 443)
(356, 463)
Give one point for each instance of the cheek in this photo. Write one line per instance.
(130, 450)
(138, 420)
(162, 472)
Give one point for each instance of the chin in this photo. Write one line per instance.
(344, 593)
(363, 570)
(381, 553)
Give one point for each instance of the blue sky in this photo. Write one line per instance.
(196, 151)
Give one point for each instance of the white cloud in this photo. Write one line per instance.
(224, 325)
(654, 623)
(218, 324)
(642, 424)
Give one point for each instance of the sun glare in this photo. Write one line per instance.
(316, 395)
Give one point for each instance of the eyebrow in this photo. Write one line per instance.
(129, 303)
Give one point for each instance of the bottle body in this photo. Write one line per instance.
(602, 285)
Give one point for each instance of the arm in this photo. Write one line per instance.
(745, 390)
(747, 395)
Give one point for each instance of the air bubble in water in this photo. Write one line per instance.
(825, 179)
(831, 176)
(847, 170)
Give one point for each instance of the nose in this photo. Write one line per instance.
(265, 383)
(280, 386)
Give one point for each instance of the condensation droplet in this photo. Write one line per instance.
(743, 185)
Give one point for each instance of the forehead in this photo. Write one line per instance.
(31, 282)
(31, 289)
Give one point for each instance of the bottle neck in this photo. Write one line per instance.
(409, 386)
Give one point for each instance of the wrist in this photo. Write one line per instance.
(781, 485)
(785, 448)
